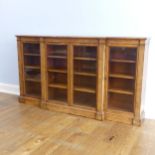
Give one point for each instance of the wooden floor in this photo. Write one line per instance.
(28, 130)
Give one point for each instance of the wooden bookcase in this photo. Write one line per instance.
(100, 78)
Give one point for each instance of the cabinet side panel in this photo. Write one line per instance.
(146, 49)
(21, 66)
(139, 85)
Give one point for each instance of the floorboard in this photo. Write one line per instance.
(28, 130)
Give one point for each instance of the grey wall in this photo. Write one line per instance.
(74, 17)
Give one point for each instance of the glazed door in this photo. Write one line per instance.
(57, 72)
(85, 75)
(121, 78)
(32, 75)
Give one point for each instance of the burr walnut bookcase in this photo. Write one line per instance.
(100, 78)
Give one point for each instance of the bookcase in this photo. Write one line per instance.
(95, 77)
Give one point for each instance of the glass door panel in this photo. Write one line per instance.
(122, 70)
(32, 69)
(57, 72)
(85, 69)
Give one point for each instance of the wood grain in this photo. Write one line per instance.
(28, 130)
(68, 79)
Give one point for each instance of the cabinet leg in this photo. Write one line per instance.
(137, 122)
(43, 105)
(100, 116)
(21, 99)
(140, 120)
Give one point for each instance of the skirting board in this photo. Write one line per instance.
(9, 88)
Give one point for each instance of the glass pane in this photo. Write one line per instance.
(85, 99)
(33, 89)
(120, 102)
(57, 94)
(119, 68)
(121, 84)
(57, 50)
(57, 64)
(57, 78)
(123, 53)
(32, 74)
(122, 70)
(31, 48)
(85, 51)
(85, 66)
(31, 61)
(85, 81)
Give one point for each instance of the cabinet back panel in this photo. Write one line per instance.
(85, 99)
(121, 102)
(123, 53)
(33, 89)
(118, 68)
(57, 94)
(123, 84)
(56, 50)
(85, 51)
(85, 81)
(57, 78)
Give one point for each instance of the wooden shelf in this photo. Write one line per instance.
(83, 89)
(32, 80)
(121, 76)
(57, 57)
(85, 58)
(120, 91)
(85, 74)
(62, 86)
(57, 70)
(31, 54)
(122, 61)
(32, 67)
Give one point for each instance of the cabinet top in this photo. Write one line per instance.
(82, 37)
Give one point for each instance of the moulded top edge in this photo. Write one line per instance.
(84, 37)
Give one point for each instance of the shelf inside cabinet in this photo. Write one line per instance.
(85, 74)
(61, 86)
(57, 57)
(120, 91)
(32, 80)
(57, 70)
(84, 89)
(32, 54)
(123, 76)
(122, 61)
(32, 67)
(84, 58)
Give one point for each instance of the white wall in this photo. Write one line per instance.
(75, 17)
